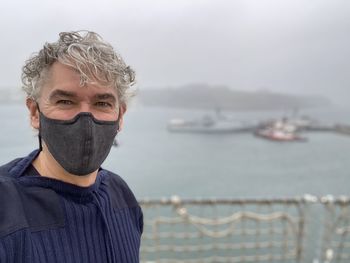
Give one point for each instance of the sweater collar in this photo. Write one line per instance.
(19, 168)
(19, 171)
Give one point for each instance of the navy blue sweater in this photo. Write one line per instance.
(46, 220)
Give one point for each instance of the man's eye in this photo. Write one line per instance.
(65, 102)
(103, 104)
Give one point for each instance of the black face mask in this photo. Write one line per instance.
(79, 145)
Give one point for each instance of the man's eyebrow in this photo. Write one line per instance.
(62, 93)
(105, 96)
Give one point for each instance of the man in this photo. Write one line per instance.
(58, 204)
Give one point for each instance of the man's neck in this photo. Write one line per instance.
(47, 166)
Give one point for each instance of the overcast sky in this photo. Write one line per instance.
(294, 46)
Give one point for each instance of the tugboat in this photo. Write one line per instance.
(280, 130)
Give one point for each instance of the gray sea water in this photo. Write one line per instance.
(156, 163)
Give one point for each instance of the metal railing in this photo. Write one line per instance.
(307, 229)
(336, 240)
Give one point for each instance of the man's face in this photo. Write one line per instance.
(62, 97)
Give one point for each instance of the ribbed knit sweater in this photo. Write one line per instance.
(46, 220)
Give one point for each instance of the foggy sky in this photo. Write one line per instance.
(294, 46)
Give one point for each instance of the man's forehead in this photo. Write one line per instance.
(65, 77)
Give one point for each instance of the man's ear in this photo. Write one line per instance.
(122, 110)
(33, 112)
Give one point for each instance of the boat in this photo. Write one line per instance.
(280, 130)
(208, 124)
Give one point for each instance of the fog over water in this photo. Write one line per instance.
(293, 46)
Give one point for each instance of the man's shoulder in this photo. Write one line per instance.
(11, 208)
(27, 208)
(8, 185)
(5, 169)
(121, 194)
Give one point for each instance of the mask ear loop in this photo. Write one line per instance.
(39, 135)
(115, 141)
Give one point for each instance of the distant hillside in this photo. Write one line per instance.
(209, 97)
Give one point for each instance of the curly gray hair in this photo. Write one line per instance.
(88, 53)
